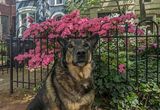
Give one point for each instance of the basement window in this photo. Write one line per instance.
(147, 0)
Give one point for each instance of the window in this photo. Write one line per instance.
(55, 2)
(23, 20)
(150, 26)
(51, 2)
(5, 24)
(2, 1)
(13, 25)
(110, 14)
(24, 16)
(147, 0)
(57, 16)
(58, 2)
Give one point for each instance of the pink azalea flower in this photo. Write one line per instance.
(30, 19)
(66, 32)
(121, 68)
(154, 45)
(102, 32)
(71, 25)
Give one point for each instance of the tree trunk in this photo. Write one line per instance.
(119, 8)
(142, 10)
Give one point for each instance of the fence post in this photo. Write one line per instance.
(11, 64)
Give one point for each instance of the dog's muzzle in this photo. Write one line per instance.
(81, 57)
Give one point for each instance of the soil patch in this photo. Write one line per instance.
(16, 101)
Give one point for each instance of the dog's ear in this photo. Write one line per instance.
(62, 41)
(93, 40)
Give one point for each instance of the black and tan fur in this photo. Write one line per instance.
(69, 86)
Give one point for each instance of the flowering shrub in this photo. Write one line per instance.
(71, 25)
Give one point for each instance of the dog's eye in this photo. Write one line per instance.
(86, 45)
(70, 46)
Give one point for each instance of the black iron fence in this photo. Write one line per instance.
(136, 57)
(3, 57)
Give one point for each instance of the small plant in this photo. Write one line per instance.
(149, 95)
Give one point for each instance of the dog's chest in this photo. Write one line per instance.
(84, 103)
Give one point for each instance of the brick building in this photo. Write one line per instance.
(107, 7)
(7, 17)
(110, 8)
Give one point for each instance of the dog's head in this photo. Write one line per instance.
(78, 51)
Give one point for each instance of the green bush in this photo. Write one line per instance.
(115, 90)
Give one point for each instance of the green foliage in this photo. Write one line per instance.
(114, 88)
(81, 5)
(119, 91)
(149, 95)
(3, 52)
(38, 87)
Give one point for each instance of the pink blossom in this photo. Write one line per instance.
(122, 68)
(102, 32)
(142, 48)
(71, 25)
(47, 59)
(30, 19)
(61, 27)
(106, 26)
(154, 45)
(51, 35)
(26, 34)
(66, 32)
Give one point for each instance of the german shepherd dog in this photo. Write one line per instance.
(70, 85)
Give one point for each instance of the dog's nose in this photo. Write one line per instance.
(81, 53)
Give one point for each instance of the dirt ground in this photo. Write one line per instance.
(16, 101)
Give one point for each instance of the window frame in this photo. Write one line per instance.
(5, 25)
(55, 3)
(25, 10)
(147, 1)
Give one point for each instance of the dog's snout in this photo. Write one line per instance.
(81, 53)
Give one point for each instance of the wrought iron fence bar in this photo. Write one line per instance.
(35, 69)
(2, 57)
(158, 54)
(126, 49)
(29, 82)
(146, 56)
(11, 66)
(41, 58)
(17, 65)
(136, 68)
(47, 53)
(117, 58)
(117, 49)
(108, 54)
(99, 54)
